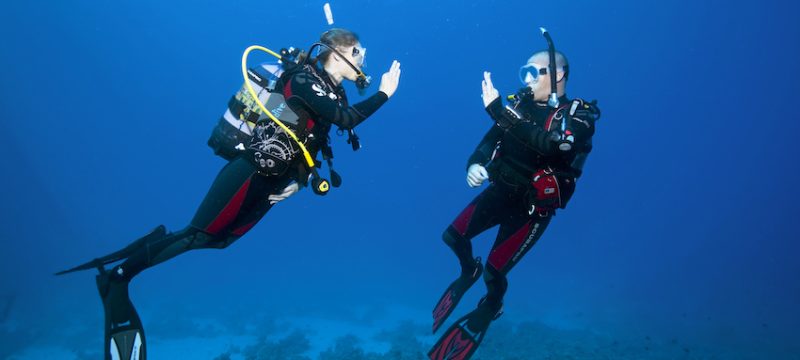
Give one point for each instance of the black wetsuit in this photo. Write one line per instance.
(238, 198)
(523, 141)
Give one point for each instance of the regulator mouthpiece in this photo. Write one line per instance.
(362, 83)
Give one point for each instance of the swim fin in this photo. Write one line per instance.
(157, 233)
(124, 333)
(462, 339)
(449, 300)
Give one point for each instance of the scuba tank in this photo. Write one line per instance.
(234, 129)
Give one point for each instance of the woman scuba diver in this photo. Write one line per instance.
(267, 166)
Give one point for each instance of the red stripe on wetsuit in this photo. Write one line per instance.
(501, 255)
(461, 224)
(230, 211)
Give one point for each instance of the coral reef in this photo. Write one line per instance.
(505, 341)
(291, 347)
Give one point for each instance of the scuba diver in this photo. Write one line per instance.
(269, 160)
(532, 156)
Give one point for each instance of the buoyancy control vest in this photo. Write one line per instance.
(549, 178)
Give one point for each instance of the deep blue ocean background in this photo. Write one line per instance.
(683, 230)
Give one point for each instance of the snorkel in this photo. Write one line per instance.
(566, 138)
(552, 101)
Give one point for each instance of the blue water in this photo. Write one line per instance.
(683, 227)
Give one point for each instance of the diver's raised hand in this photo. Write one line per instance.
(489, 92)
(390, 79)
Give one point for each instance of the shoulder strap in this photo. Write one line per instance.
(558, 114)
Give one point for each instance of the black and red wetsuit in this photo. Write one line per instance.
(523, 141)
(238, 198)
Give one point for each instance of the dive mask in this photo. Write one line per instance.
(529, 73)
(360, 56)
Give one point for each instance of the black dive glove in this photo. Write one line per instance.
(504, 116)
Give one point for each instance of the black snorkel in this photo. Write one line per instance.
(362, 81)
(552, 101)
(566, 139)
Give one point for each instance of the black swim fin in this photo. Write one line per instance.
(462, 339)
(157, 233)
(124, 333)
(449, 300)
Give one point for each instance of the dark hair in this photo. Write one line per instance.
(334, 38)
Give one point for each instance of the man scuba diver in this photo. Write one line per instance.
(267, 166)
(532, 157)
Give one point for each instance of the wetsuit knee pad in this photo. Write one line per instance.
(203, 240)
(451, 237)
(496, 282)
(222, 243)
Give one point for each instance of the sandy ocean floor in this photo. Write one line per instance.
(364, 335)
